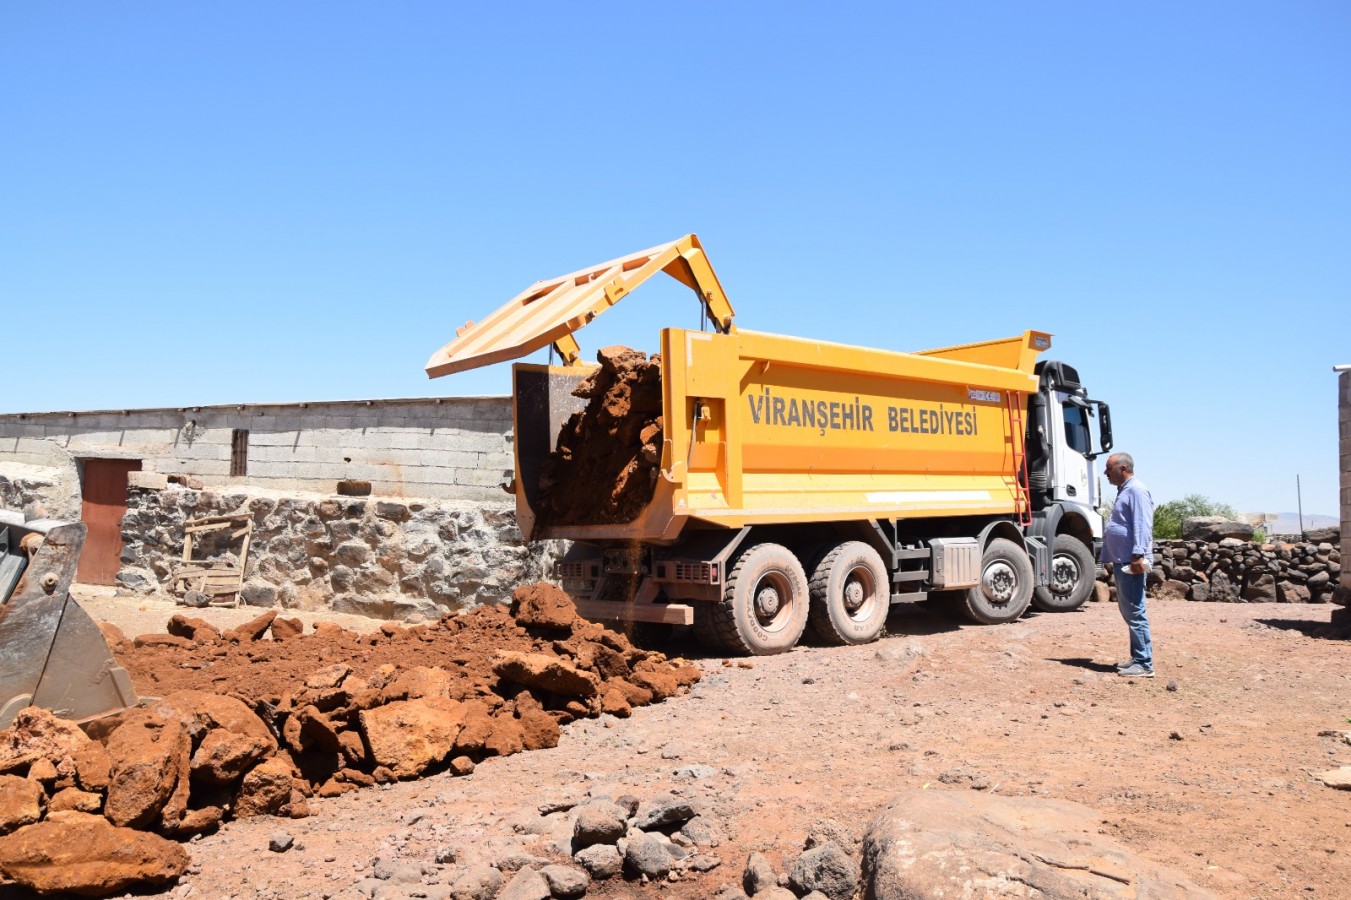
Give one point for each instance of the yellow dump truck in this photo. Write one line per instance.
(802, 482)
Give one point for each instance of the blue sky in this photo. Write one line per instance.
(215, 203)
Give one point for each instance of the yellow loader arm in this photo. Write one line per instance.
(549, 311)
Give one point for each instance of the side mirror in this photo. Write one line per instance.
(1104, 427)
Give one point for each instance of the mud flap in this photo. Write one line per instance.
(1040, 554)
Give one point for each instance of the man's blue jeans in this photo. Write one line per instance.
(1130, 598)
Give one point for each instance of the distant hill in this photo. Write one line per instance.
(1288, 522)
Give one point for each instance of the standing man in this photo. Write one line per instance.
(1128, 544)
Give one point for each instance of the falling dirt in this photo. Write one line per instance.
(605, 466)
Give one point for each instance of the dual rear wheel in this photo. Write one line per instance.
(769, 600)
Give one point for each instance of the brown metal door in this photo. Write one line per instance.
(105, 503)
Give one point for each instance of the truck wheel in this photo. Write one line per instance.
(705, 632)
(1005, 586)
(764, 603)
(849, 595)
(1072, 575)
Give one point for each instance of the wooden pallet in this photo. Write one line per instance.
(220, 580)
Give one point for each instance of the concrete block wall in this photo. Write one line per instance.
(450, 448)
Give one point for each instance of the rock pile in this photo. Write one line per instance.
(604, 468)
(652, 841)
(825, 870)
(1235, 571)
(567, 851)
(250, 727)
(389, 559)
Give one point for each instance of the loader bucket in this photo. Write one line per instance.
(52, 654)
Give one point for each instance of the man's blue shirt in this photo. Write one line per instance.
(1130, 527)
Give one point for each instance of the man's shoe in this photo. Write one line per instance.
(1135, 670)
(1125, 665)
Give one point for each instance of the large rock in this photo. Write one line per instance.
(1289, 592)
(77, 853)
(1336, 778)
(958, 843)
(476, 883)
(543, 605)
(545, 673)
(224, 756)
(646, 856)
(76, 799)
(758, 875)
(21, 802)
(1261, 589)
(230, 738)
(598, 822)
(566, 881)
(1213, 529)
(145, 755)
(662, 814)
(193, 629)
(252, 630)
(408, 736)
(38, 734)
(602, 861)
(266, 790)
(1331, 535)
(527, 884)
(825, 868)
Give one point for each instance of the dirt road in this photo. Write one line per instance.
(1207, 768)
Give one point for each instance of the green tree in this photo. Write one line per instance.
(1168, 517)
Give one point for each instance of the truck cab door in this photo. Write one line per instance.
(1071, 451)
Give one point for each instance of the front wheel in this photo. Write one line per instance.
(1072, 576)
(1005, 587)
(764, 603)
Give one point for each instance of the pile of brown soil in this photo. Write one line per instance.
(466, 658)
(251, 726)
(605, 466)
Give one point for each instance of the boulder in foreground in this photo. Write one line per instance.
(78, 853)
(962, 844)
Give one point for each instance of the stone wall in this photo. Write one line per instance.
(1235, 571)
(1344, 430)
(40, 491)
(440, 448)
(384, 557)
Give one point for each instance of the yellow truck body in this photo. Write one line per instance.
(763, 429)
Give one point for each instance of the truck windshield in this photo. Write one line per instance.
(1076, 429)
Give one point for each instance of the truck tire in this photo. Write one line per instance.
(850, 595)
(764, 603)
(1006, 581)
(1072, 574)
(705, 632)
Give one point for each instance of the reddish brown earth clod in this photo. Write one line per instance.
(604, 468)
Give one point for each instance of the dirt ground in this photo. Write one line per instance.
(1206, 769)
